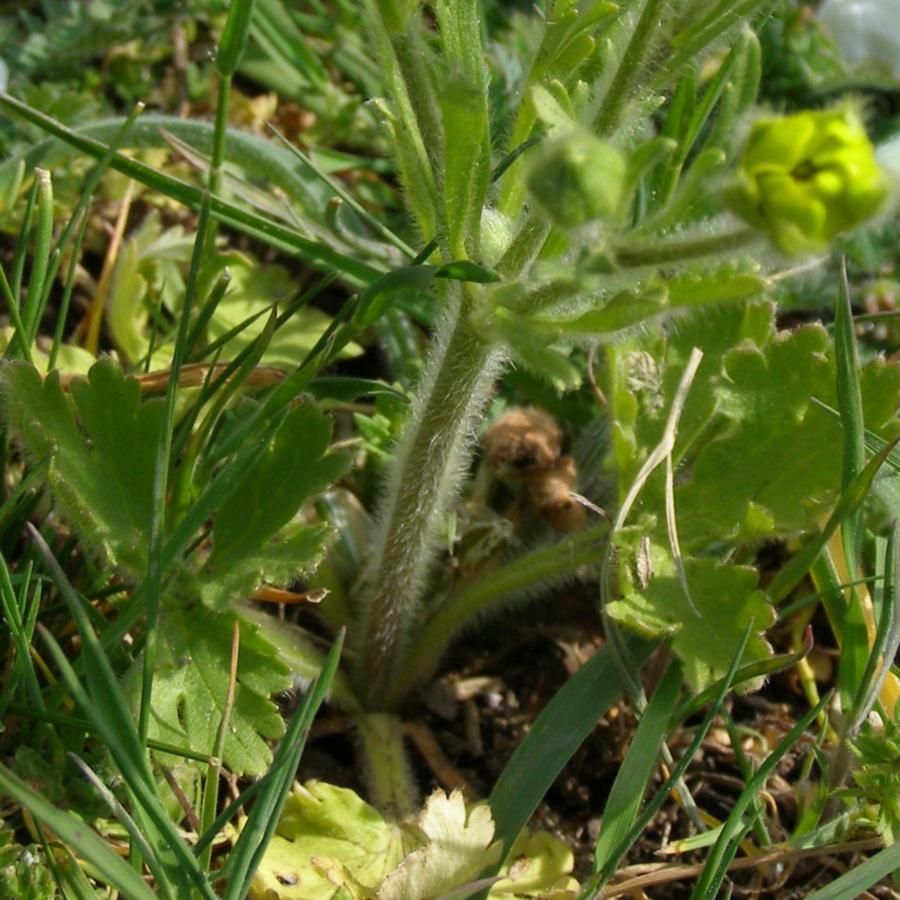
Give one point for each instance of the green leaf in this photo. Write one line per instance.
(22, 871)
(622, 311)
(460, 844)
(531, 344)
(553, 739)
(126, 316)
(849, 501)
(253, 289)
(722, 285)
(646, 373)
(467, 150)
(862, 877)
(550, 111)
(346, 389)
(297, 551)
(191, 684)
(538, 865)
(110, 866)
(378, 296)
(629, 308)
(324, 822)
(463, 98)
(464, 270)
(628, 789)
(100, 464)
(294, 467)
(726, 598)
(329, 843)
(301, 654)
(775, 468)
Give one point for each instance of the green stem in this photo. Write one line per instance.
(391, 787)
(411, 60)
(485, 594)
(156, 567)
(219, 132)
(525, 248)
(695, 39)
(423, 482)
(214, 182)
(627, 76)
(659, 252)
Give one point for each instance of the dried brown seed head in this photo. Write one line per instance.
(522, 439)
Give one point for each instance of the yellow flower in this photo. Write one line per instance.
(806, 177)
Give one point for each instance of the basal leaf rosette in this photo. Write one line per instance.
(805, 178)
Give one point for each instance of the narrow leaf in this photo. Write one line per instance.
(109, 865)
(628, 789)
(558, 732)
(855, 882)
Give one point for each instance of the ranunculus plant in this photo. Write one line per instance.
(623, 194)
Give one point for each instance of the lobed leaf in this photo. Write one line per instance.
(294, 467)
(777, 468)
(191, 684)
(726, 600)
(99, 444)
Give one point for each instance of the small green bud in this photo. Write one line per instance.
(577, 178)
(496, 235)
(234, 37)
(806, 177)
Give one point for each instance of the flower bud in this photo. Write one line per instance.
(806, 177)
(496, 235)
(234, 37)
(577, 178)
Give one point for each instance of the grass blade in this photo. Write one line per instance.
(21, 630)
(760, 669)
(677, 773)
(558, 732)
(887, 637)
(32, 310)
(335, 187)
(155, 569)
(121, 814)
(244, 859)
(849, 402)
(855, 882)
(270, 232)
(634, 774)
(721, 854)
(104, 705)
(109, 865)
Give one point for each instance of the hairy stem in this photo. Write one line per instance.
(423, 481)
(662, 252)
(540, 568)
(391, 787)
(640, 46)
